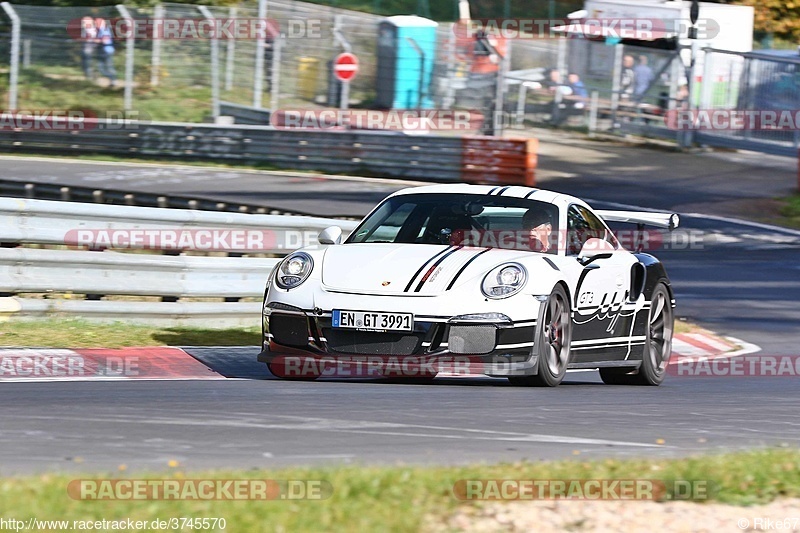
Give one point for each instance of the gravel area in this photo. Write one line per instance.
(607, 516)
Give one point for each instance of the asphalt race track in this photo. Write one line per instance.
(741, 280)
(255, 423)
(302, 192)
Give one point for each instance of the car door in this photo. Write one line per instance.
(602, 324)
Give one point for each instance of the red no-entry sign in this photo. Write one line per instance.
(345, 67)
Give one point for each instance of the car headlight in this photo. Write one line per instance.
(504, 281)
(294, 270)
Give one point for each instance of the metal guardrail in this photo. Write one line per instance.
(46, 222)
(204, 314)
(35, 190)
(26, 270)
(473, 159)
(94, 274)
(786, 149)
(243, 114)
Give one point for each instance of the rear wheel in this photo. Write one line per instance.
(657, 346)
(552, 343)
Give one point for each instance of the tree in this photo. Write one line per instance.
(781, 17)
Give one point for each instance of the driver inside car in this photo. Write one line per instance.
(539, 226)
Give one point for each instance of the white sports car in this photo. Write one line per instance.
(518, 282)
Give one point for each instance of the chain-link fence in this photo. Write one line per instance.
(547, 80)
(164, 77)
(759, 82)
(591, 84)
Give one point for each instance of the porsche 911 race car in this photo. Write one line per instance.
(505, 281)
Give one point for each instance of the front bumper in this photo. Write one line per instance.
(472, 344)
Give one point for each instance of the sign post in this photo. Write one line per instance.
(694, 12)
(345, 67)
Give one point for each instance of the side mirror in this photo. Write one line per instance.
(331, 235)
(593, 249)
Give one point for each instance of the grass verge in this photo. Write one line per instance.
(791, 211)
(399, 498)
(75, 333)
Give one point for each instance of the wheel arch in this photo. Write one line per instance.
(540, 314)
(564, 286)
(654, 273)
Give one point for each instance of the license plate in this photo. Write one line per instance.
(370, 321)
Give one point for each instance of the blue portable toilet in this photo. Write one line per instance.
(403, 75)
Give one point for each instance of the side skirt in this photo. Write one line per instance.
(605, 364)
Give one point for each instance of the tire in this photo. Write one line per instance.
(657, 347)
(552, 343)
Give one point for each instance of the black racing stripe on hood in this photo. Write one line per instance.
(426, 263)
(463, 268)
(436, 264)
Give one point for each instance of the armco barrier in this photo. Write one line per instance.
(26, 270)
(38, 190)
(71, 272)
(48, 222)
(203, 314)
(243, 114)
(471, 159)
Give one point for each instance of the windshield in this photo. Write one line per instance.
(462, 219)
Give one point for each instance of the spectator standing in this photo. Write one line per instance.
(106, 62)
(626, 77)
(88, 46)
(642, 77)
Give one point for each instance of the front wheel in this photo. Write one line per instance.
(552, 343)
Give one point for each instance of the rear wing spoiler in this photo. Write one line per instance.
(661, 220)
